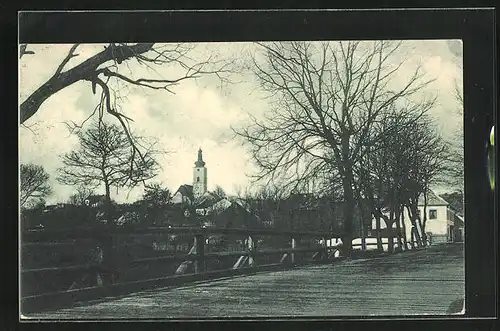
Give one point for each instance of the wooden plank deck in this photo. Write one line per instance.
(419, 282)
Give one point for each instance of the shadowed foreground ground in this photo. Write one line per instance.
(420, 282)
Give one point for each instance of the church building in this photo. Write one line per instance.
(191, 193)
(213, 209)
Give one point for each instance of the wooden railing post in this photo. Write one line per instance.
(251, 250)
(181, 269)
(199, 243)
(292, 255)
(325, 249)
(106, 259)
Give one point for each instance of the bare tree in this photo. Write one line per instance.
(105, 156)
(430, 166)
(81, 195)
(457, 157)
(34, 183)
(265, 202)
(323, 96)
(401, 156)
(406, 163)
(219, 191)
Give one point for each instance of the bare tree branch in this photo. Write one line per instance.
(108, 62)
(65, 61)
(23, 50)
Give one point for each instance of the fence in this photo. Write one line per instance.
(61, 267)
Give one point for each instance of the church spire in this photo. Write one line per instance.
(200, 162)
(199, 176)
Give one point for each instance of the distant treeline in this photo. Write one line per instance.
(236, 216)
(68, 215)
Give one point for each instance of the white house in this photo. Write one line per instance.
(442, 225)
(438, 219)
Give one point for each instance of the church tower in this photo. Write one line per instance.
(199, 176)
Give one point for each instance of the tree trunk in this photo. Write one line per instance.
(418, 223)
(364, 227)
(108, 193)
(390, 222)
(378, 215)
(347, 182)
(424, 234)
(348, 215)
(363, 235)
(413, 218)
(397, 216)
(362, 216)
(107, 203)
(390, 237)
(348, 235)
(405, 239)
(380, 247)
(421, 237)
(109, 268)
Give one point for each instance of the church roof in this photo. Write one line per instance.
(186, 190)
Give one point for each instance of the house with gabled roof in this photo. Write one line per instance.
(230, 214)
(443, 224)
(184, 194)
(437, 217)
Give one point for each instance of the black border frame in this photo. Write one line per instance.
(475, 27)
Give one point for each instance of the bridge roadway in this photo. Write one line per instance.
(416, 282)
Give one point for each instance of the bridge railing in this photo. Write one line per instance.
(90, 263)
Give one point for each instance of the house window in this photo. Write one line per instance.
(197, 179)
(433, 214)
(197, 169)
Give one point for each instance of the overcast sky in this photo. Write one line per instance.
(199, 114)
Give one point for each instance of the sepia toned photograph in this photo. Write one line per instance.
(241, 179)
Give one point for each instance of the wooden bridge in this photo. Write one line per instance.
(300, 281)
